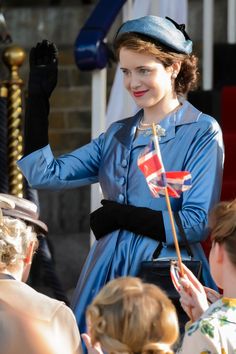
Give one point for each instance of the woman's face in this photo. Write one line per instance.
(146, 79)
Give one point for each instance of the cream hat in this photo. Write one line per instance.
(23, 209)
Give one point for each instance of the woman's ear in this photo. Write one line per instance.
(219, 252)
(29, 253)
(176, 68)
(28, 261)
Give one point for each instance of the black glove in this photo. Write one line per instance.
(43, 61)
(105, 219)
(113, 216)
(42, 81)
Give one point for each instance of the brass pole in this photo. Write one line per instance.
(3, 91)
(3, 139)
(13, 57)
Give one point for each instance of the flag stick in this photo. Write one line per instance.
(156, 144)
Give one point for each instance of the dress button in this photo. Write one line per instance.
(124, 163)
(121, 198)
(122, 181)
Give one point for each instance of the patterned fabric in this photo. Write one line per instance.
(214, 332)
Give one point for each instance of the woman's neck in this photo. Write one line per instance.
(229, 280)
(230, 288)
(157, 113)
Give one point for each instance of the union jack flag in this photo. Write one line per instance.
(151, 165)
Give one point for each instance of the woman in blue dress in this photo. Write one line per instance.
(159, 70)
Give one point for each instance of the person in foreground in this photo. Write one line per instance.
(214, 328)
(50, 321)
(129, 316)
(159, 69)
(20, 334)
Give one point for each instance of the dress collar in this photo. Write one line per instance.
(187, 114)
(6, 276)
(126, 134)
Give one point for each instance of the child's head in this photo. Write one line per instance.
(129, 316)
(222, 222)
(161, 39)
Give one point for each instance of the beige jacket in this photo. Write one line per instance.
(53, 320)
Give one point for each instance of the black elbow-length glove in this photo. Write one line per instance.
(140, 220)
(43, 60)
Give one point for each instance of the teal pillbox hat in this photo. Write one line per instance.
(163, 30)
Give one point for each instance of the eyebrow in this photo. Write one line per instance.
(138, 67)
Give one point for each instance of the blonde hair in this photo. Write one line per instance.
(187, 78)
(15, 237)
(222, 222)
(129, 316)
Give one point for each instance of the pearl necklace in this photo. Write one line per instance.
(141, 123)
(146, 129)
(144, 126)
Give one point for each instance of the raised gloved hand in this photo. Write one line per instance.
(42, 81)
(113, 216)
(43, 61)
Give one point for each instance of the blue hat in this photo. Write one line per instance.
(163, 30)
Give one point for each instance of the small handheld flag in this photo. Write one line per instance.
(166, 184)
(162, 183)
(151, 165)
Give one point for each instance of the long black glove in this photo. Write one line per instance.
(42, 81)
(113, 216)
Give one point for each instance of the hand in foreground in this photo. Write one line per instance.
(193, 297)
(43, 61)
(92, 349)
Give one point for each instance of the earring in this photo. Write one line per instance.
(174, 75)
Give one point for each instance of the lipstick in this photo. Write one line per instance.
(139, 93)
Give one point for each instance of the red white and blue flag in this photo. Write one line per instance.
(151, 165)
